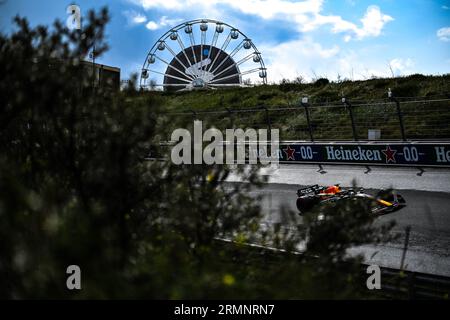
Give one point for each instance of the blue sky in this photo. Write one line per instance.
(354, 39)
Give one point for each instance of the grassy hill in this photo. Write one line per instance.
(422, 120)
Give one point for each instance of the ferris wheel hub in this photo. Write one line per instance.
(198, 83)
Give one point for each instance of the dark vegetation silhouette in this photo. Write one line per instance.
(75, 189)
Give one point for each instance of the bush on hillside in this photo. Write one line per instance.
(321, 82)
(75, 189)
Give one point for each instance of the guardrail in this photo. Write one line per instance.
(390, 119)
(413, 285)
(395, 283)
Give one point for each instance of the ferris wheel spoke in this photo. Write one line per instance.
(226, 42)
(183, 49)
(213, 82)
(169, 85)
(214, 85)
(250, 71)
(236, 50)
(223, 48)
(224, 85)
(175, 56)
(233, 65)
(170, 76)
(174, 68)
(213, 43)
(202, 42)
(192, 40)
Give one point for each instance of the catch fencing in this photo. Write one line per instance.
(385, 120)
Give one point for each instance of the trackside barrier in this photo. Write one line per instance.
(412, 154)
(385, 154)
(395, 283)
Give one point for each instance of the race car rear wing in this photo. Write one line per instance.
(307, 190)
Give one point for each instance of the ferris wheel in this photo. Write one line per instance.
(221, 57)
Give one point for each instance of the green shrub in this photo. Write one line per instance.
(321, 82)
(75, 189)
(406, 90)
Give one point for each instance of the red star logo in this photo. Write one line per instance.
(390, 154)
(290, 153)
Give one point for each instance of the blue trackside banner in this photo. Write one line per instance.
(413, 154)
(388, 154)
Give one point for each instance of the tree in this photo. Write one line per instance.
(75, 189)
(75, 186)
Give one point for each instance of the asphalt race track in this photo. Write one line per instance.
(427, 212)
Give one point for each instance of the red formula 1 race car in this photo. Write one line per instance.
(385, 201)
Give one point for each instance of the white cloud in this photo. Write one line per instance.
(274, 8)
(162, 4)
(134, 17)
(305, 15)
(373, 22)
(152, 25)
(445, 7)
(263, 8)
(443, 34)
(309, 59)
(297, 57)
(356, 66)
(402, 66)
(163, 22)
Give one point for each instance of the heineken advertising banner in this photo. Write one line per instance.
(391, 154)
(422, 154)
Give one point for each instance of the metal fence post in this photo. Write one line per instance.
(230, 112)
(405, 246)
(352, 119)
(399, 114)
(194, 115)
(304, 103)
(269, 125)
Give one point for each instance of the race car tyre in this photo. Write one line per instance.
(305, 204)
